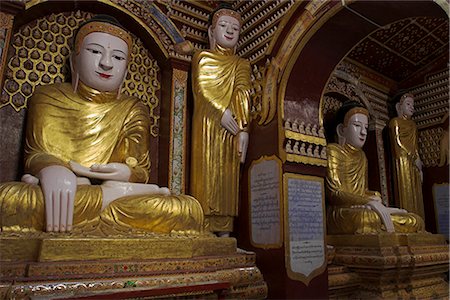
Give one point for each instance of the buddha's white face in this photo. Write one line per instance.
(407, 107)
(355, 133)
(226, 32)
(102, 61)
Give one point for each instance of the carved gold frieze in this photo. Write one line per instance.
(307, 160)
(343, 87)
(305, 143)
(405, 265)
(59, 247)
(243, 279)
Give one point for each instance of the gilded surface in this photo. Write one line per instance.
(347, 184)
(83, 278)
(220, 80)
(430, 150)
(404, 140)
(395, 265)
(91, 127)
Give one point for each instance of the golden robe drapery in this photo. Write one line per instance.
(220, 80)
(408, 184)
(347, 185)
(92, 127)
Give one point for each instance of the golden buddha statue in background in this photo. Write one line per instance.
(89, 130)
(407, 162)
(353, 208)
(221, 85)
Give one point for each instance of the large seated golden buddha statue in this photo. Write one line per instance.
(353, 208)
(87, 131)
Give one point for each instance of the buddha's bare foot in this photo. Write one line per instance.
(113, 190)
(223, 234)
(30, 179)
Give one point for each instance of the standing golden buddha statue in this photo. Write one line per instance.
(89, 130)
(408, 165)
(221, 85)
(352, 207)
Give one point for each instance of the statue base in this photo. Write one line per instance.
(69, 267)
(395, 265)
(342, 282)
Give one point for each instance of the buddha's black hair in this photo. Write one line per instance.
(222, 5)
(345, 108)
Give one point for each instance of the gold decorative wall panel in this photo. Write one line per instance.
(431, 99)
(429, 147)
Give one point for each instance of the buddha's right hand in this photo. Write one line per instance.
(229, 123)
(384, 214)
(59, 185)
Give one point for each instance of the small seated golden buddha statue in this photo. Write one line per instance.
(352, 207)
(88, 130)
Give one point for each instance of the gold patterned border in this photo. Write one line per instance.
(177, 146)
(320, 269)
(280, 193)
(6, 24)
(305, 138)
(306, 160)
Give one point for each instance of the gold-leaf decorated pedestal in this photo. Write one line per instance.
(68, 266)
(395, 265)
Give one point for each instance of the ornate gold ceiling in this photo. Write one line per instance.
(404, 47)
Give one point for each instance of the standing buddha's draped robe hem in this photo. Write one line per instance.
(347, 181)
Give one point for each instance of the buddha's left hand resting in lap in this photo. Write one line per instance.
(352, 207)
(88, 129)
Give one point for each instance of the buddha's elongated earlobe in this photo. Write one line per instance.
(75, 74)
(119, 91)
(340, 133)
(398, 108)
(212, 41)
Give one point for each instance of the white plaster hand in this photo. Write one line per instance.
(419, 165)
(242, 145)
(375, 198)
(59, 185)
(229, 123)
(111, 171)
(384, 214)
(395, 210)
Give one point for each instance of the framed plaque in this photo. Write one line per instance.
(265, 211)
(304, 206)
(441, 206)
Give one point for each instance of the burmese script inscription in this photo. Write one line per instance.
(441, 204)
(305, 225)
(265, 209)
